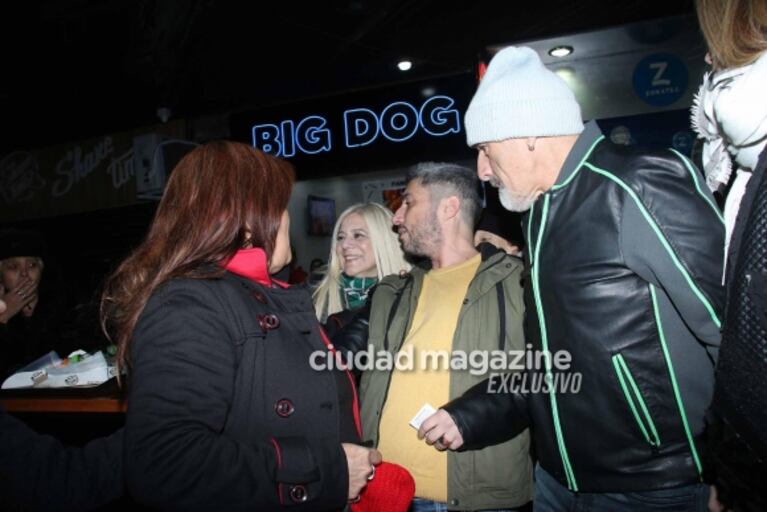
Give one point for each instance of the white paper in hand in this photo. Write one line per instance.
(426, 411)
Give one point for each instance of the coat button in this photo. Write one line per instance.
(284, 408)
(454, 503)
(298, 494)
(268, 322)
(260, 297)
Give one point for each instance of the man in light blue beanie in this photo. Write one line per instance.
(624, 254)
(520, 97)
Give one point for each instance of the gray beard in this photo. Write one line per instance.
(513, 202)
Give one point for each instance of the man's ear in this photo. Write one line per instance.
(450, 207)
(247, 243)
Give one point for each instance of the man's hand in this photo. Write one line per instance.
(440, 430)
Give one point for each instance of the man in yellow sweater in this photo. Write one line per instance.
(464, 305)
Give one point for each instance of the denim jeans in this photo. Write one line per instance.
(551, 496)
(421, 505)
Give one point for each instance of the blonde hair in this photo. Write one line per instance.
(388, 255)
(735, 30)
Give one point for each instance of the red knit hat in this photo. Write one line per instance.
(391, 490)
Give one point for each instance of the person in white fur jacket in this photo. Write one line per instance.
(730, 110)
(730, 113)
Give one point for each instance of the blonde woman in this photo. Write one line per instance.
(364, 249)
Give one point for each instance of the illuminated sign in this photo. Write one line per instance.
(397, 122)
(660, 79)
(377, 128)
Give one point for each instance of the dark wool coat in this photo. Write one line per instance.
(224, 409)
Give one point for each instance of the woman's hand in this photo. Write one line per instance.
(361, 462)
(16, 299)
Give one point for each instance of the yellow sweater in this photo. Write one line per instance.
(432, 329)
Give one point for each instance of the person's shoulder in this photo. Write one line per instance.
(188, 292)
(392, 285)
(188, 285)
(394, 282)
(641, 167)
(501, 262)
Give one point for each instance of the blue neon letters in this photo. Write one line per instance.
(398, 122)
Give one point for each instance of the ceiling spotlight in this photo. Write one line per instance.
(404, 65)
(561, 51)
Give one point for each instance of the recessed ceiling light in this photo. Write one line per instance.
(428, 91)
(404, 65)
(561, 51)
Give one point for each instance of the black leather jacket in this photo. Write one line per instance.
(625, 258)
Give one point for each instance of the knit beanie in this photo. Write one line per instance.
(519, 97)
(17, 242)
(391, 490)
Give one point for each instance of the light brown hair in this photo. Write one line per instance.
(735, 30)
(219, 198)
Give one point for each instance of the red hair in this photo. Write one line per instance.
(220, 197)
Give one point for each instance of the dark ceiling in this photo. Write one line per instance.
(77, 68)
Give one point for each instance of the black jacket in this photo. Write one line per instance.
(738, 420)
(37, 472)
(740, 391)
(224, 410)
(625, 258)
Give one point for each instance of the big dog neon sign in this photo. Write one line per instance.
(398, 122)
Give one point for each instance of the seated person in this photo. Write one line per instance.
(28, 328)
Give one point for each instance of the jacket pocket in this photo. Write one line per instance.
(635, 401)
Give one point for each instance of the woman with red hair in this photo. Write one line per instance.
(225, 410)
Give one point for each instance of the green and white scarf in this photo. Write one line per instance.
(354, 290)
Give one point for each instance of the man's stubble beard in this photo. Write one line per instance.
(424, 239)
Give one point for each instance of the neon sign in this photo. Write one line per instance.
(398, 122)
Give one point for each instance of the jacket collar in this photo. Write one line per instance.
(486, 251)
(492, 258)
(584, 144)
(250, 263)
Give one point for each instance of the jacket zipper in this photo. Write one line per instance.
(634, 397)
(535, 270)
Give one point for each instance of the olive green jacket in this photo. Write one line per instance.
(490, 319)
